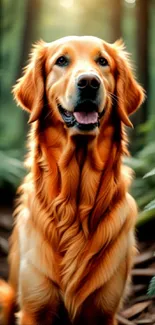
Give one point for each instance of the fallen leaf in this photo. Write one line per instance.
(145, 257)
(135, 309)
(143, 272)
(124, 321)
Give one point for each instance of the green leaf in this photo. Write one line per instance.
(151, 173)
(11, 169)
(151, 288)
(150, 206)
(145, 217)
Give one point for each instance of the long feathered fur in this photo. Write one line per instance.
(74, 212)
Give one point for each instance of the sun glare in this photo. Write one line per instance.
(67, 3)
(130, 1)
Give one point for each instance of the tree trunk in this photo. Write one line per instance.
(28, 36)
(32, 12)
(115, 20)
(142, 12)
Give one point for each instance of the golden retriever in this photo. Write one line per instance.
(73, 241)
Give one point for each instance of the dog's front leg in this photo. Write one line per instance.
(109, 298)
(38, 297)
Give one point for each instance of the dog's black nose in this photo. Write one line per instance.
(88, 81)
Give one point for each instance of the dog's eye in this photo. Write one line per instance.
(62, 61)
(102, 61)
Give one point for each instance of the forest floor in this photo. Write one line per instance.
(139, 308)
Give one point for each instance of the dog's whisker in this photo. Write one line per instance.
(115, 97)
(48, 114)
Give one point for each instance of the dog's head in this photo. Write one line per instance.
(81, 80)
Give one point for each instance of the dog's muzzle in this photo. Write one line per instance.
(85, 115)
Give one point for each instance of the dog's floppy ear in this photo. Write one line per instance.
(130, 94)
(29, 90)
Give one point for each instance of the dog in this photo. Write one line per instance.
(73, 241)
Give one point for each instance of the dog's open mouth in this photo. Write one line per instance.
(85, 116)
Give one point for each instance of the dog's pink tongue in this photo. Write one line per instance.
(86, 117)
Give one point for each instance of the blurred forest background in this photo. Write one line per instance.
(25, 21)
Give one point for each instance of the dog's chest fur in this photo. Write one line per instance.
(73, 195)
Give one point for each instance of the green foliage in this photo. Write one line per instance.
(11, 168)
(151, 289)
(11, 118)
(150, 206)
(143, 187)
(151, 173)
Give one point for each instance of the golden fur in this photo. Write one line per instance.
(73, 240)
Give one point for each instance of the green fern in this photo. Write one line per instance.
(151, 288)
(11, 168)
(144, 182)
